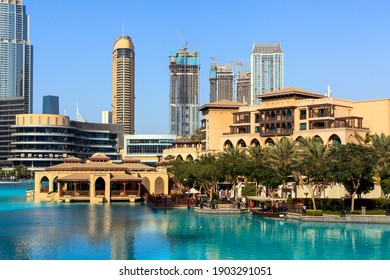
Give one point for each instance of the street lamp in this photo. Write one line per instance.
(306, 193)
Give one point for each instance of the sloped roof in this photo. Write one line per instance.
(290, 91)
(136, 166)
(183, 139)
(64, 166)
(75, 177)
(221, 104)
(123, 177)
(98, 165)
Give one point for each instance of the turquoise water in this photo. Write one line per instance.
(51, 231)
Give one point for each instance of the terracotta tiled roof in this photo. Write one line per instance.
(64, 166)
(138, 167)
(99, 157)
(290, 91)
(98, 165)
(183, 139)
(221, 104)
(123, 177)
(75, 177)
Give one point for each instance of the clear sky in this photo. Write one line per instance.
(344, 44)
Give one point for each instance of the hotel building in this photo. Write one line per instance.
(184, 92)
(221, 82)
(123, 83)
(42, 140)
(267, 69)
(294, 113)
(16, 59)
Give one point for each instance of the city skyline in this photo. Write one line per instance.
(323, 43)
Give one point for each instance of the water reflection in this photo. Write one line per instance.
(125, 231)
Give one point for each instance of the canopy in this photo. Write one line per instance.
(192, 190)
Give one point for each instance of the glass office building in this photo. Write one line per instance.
(50, 105)
(148, 148)
(15, 70)
(42, 140)
(267, 69)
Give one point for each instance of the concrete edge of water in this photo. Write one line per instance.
(364, 219)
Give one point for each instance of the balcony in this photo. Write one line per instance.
(277, 132)
(243, 129)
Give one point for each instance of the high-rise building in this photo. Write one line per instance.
(244, 87)
(184, 92)
(16, 89)
(267, 69)
(50, 105)
(106, 117)
(123, 83)
(221, 82)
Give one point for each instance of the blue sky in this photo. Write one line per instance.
(344, 44)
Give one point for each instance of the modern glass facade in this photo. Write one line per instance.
(147, 147)
(184, 92)
(42, 140)
(50, 105)
(15, 70)
(267, 69)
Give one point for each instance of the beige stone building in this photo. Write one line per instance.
(99, 180)
(291, 112)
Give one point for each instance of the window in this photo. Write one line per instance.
(302, 126)
(302, 114)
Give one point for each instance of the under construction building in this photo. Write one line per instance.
(244, 87)
(184, 92)
(221, 82)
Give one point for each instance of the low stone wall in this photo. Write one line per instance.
(220, 211)
(364, 219)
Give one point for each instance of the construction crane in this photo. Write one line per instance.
(236, 62)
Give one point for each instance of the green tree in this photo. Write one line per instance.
(181, 172)
(381, 145)
(313, 171)
(353, 166)
(208, 172)
(283, 156)
(233, 163)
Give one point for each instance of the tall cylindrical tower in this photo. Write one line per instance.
(123, 83)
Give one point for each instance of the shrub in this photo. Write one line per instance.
(314, 212)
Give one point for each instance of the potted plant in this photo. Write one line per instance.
(249, 190)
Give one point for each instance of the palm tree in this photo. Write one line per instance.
(312, 160)
(381, 145)
(233, 161)
(283, 156)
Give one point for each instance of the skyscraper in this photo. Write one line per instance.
(221, 82)
(123, 83)
(50, 105)
(106, 117)
(184, 92)
(244, 87)
(15, 70)
(267, 69)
